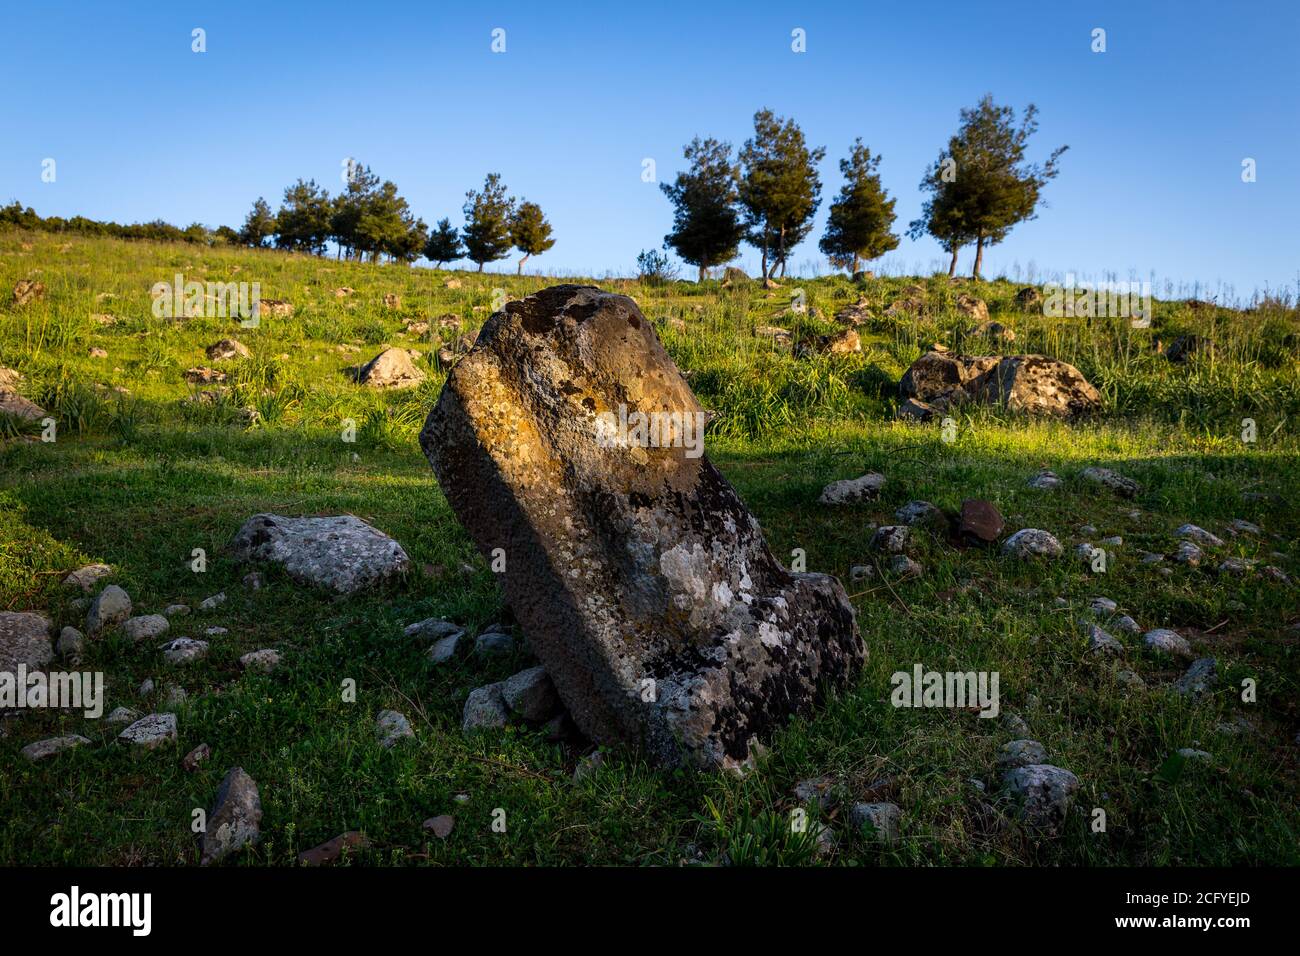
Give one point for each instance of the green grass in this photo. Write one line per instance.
(139, 478)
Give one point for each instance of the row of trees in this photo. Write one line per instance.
(15, 214)
(370, 219)
(979, 187)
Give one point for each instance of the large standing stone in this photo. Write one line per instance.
(641, 581)
(340, 552)
(112, 607)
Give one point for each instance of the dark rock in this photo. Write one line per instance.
(1026, 383)
(981, 522)
(331, 850)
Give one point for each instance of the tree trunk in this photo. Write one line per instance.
(857, 260)
(764, 261)
(952, 266)
(480, 267)
(979, 256)
(521, 265)
(702, 271)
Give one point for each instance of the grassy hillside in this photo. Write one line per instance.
(146, 468)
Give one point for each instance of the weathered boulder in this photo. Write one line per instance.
(641, 581)
(110, 608)
(227, 349)
(391, 368)
(1025, 383)
(235, 818)
(339, 552)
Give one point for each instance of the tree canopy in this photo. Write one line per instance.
(861, 217)
(706, 224)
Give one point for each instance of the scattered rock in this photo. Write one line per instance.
(588, 766)
(1045, 481)
(921, 514)
(977, 311)
(150, 731)
(254, 581)
(916, 410)
(1200, 536)
(882, 818)
(71, 644)
(904, 566)
(816, 791)
(176, 610)
(390, 727)
(145, 628)
(440, 827)
(202, 375)
(1100, 643)
(432, 629)
(27, 291)
(264, 661)
(853, 490)
(122, 715)
(24, 642)
(1238, 526)
(1028, 298)
(341, 553)
(195, 757)
(485, 709)
(531, 695)
(1032, 543)
(1125, 487)
(1189, 554)
(1130, 680)
(1042, 793)
(1025, 383)
(1021, 753)
(112, 607)
(173, 696)
(331, 850)
(391, 368)
(1167, 642)
(493, 643)
(1200, 677)
(444, 649)
(228, 349)
(184, 650)
(53, 745)
(1126, 625)
(86, 578)
(1102, 605)
(1238, 567)
(213, 602)
(233, 821)
(890, 539)
(1190, 753)
(392, 300)
(981, 522)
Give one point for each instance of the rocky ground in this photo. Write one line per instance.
(354, 686)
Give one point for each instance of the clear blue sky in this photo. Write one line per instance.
(1158, 125)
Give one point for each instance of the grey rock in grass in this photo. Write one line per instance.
(1032, 543)
(921, 514)
(25, 641)
(173, 695)
(122, 715)
(1021, 753)
(254, 581)
(1034, 384)
(1114, 541)
(235, 818)
(1237, 567)
(85, 578)
(629, 559)
(1189, 554)
(1045, 481)
(1041, 793)
(391, 727)
(391, 368)
(146, 687)
(916, 410)
(1147, 557)
(1087, 529)
(340, 553)
(1191, 753)
(440, 826)
(176, 610)
(150, 731)
(71, 644)
(861, 572)
(853, 490)
(1015, 723)
(1090, 555)
(904, 566)
(883, 819)
(261, 661)
(1200, 536)
(227, 349)
(485, 709)
(531, 695)
(1276, 574)
(816, 791)
(1125, 487)
(110, 608)
(1168, 642)
(214, 631)
(1241, 526)
(1100, 643)
(213, 602)
(445, 648)
(493, 643)
(51, 746)
(588, 766)
(1102, 606)
(184, 650)
(891, 539)
(432, 629)
(1130, 679)
(198, 755)
(145, 627)
(1126, 625)
(1202, 675)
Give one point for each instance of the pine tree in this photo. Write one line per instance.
(444, 244)
(349, 206)
(861, 216)
(259, 226)
(303, 222)
(706, 224)
(779, 188)
(488, 215)
(530, 232)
